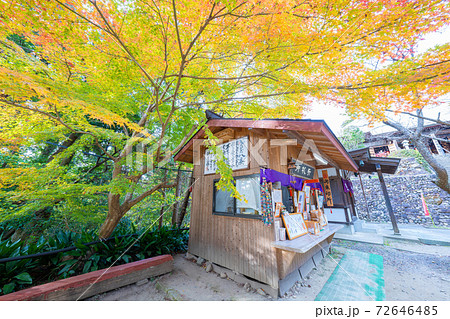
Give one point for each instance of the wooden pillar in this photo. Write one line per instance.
(387, 200)
(437, 145)
(364, 194)
(341, 190)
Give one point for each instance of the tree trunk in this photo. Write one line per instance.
(161, 211)
(441, 172)
(161, 217)
(415, 137)
(176, 205)
(184, 205)
(115, 214)
(112, 219)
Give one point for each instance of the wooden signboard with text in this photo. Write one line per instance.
(300, 169)
(235, 153)
(327, 189)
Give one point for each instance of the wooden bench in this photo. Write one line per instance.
(79, 287)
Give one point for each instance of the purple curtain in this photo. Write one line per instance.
(348, 186)
(285, 179)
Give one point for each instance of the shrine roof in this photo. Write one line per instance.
(318, 131)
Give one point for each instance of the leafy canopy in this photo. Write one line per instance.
(121, 72)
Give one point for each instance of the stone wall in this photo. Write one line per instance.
(404, 192)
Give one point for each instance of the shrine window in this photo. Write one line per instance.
(225, 204)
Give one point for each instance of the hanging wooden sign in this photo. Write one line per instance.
(327, 188)
(300, 169)
(307, 190)
(320, 201)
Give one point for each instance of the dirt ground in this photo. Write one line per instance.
(412, 272)
(308, 290)
(187, 281)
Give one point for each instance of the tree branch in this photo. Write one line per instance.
(225, 78)
(59, 120)
(398, 127)
(240, 98)
(436, 138)
(421, 116)
(420, 121)
(127, 205)
(81, 16)
(114, 34)
(177, 30)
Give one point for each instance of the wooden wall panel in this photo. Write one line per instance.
(240, 244)
(237, 243)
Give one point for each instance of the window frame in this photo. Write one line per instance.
(234, 214)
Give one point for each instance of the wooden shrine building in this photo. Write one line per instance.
(232, 233)
(371, 164)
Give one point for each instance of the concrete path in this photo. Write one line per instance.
(377, 233)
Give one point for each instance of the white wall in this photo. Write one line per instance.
(335, 215)
(331, 172)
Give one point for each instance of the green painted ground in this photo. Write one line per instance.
(358, 276)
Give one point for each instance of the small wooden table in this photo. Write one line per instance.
(306, 242)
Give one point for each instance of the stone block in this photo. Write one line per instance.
(306, 268)
(317, 258)
(287, 282)
(325, 250)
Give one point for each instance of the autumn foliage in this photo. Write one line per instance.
(118, 72)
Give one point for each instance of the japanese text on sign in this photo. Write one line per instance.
(235, 153)
(327, 188)
(302, 170)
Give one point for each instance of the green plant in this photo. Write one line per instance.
(16, 274)
(163, 241)
(412, 154)
(19, 274)
(352, 137)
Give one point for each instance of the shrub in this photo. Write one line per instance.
(123, 248)
(15, 275)
(412, 154)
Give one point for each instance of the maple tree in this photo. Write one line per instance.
(406, 85)
(420, 140)
(119, 73)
